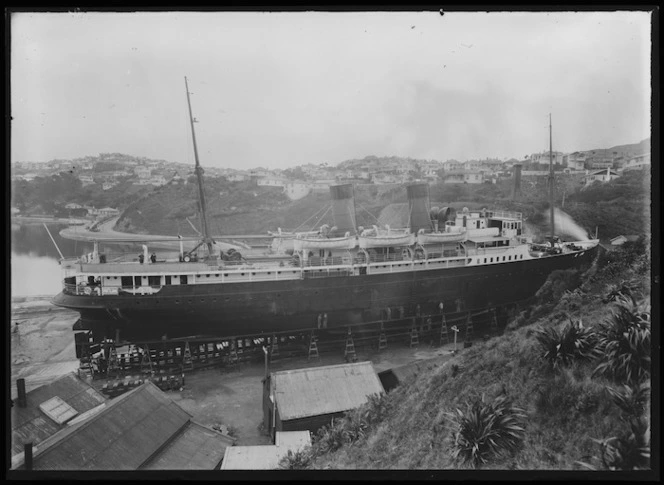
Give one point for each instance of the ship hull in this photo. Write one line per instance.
(234, 309)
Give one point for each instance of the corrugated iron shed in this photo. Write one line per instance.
(331, 389)
(194, 448)
(122, 436)
(265, 457)
(30, 424)
(293, 440)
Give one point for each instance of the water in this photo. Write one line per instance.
(34, 260)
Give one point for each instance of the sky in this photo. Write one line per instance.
(280, 89)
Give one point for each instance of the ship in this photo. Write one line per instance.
(444, 261)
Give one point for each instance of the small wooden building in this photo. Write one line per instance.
(265, 457)
(307, 399)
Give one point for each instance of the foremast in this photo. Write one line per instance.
(199, 175)
(551, 179)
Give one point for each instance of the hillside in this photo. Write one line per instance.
(538, 416)
(618, 207)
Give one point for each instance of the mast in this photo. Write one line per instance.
(551, 180)
(199, 175)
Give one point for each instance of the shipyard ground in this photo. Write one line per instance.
(42, 348)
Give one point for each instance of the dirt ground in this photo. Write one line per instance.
(42, 348)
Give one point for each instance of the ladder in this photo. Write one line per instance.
(85, 366)
(113, 368)
(469, 328)
(414, 338)
(274, 348)
(313, 347)
(350, 354)
(382, 338)
(443, 332)
(146, 361)
(232, 356)
(494, 320)
(187, 362)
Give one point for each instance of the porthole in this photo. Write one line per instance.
(225, 275)
(241, 274)
(207, 275)
(108, 277)
(278, 272)
(269, 272)
(177, 302)
(217, 275)
(202, 300)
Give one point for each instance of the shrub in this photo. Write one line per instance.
(624, 288)
(632, 450)
(298, 460)
(574, 342)
(487, 431)
(625, 342)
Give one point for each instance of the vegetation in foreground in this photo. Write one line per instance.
(567, 386)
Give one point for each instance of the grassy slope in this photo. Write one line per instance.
(565, 409)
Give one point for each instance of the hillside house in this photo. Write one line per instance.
(237, 177)
(575, 161)
(464, 177)
(108, 185)
(297, 190)
(638, 162)
(86, 179)
(620, 240)
(271, 181)
(556, 157)
(601, 176)
(108, 212)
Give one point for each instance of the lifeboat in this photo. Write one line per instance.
(441, 237)
(345, 242)
(387, 239)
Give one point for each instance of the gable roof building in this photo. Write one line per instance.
(140, 429)
(307, 399)
(32, 424)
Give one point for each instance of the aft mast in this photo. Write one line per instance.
(551, 179)
(199, 175)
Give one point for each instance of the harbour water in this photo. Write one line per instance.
(34, 266)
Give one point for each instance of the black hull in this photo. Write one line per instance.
(225, 310)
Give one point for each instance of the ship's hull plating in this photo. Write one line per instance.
(274, 306)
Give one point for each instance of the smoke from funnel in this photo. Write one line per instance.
(343, 209)
(565, 225)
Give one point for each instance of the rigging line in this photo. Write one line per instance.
(311, 217)
(321, 217)
(365, 210)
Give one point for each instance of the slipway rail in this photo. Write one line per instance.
(116, 359)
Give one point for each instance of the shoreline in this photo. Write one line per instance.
(46, 219)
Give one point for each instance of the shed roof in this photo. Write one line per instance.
(194, 448)
(324, 390)
(32, 425)
(122, 436)
(265, 457)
